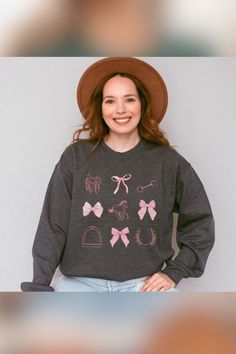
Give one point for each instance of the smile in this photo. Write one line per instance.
(122, 120)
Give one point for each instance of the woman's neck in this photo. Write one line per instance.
(121, 143)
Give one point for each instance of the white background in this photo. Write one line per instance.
(39, 114)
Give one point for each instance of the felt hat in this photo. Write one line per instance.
(149, 76)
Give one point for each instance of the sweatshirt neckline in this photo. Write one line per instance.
(133, 150)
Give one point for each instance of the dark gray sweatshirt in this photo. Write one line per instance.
(109, 215)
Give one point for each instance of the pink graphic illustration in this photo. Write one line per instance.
(119, 180)
(153, 183)
(144, 207)
(148, 244)
(92, 184)
(119, 234)
(92, 238)
(97, 209)
(120, 210)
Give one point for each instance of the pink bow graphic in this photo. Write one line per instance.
(147, 206)
(121, 179)
(97, 209)
(119, 234)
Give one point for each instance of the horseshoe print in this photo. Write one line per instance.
(148, 244)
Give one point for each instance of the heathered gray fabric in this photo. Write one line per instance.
(84, 245)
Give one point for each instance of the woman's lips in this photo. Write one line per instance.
(122, 120)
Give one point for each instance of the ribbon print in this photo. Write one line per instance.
(119, 234)
(97, 209)
(119, 180)
(147, 206)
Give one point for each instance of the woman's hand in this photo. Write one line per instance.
(157, 282)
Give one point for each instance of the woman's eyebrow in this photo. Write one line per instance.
(130, 94)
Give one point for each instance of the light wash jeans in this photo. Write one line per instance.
(87, 284)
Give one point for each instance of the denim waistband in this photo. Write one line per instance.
(105, 282)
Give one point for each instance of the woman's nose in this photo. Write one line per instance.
(120, 107)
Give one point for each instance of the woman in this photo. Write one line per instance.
(107, 216)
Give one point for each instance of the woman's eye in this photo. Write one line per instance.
(130, 99)
(109, 101)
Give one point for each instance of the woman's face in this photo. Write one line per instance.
(121, 105)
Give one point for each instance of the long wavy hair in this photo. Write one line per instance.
(96, 126)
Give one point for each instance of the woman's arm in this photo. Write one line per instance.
(195, 229)
(53, 225)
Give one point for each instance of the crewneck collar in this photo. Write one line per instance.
(138, 147)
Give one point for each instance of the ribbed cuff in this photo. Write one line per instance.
(173, 275)
(28, 286)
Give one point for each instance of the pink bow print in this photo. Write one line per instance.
(119, 234)
(97, 209)
(121, 179)
(147, 206)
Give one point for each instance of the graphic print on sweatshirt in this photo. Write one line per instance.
(93, 184)
(119, 235)
(120, 210)
(121, 180)
(92, 237)
(97, 209)
(145, 209)
(140, 242)
(152, 183)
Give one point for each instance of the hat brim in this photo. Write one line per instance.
(150, 78)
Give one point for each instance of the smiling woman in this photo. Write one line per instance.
(107, 217)
(110, 94)
(121, 107)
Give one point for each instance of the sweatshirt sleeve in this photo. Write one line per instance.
(195, 232)
(53, 225)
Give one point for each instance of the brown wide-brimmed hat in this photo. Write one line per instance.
(144, 72)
